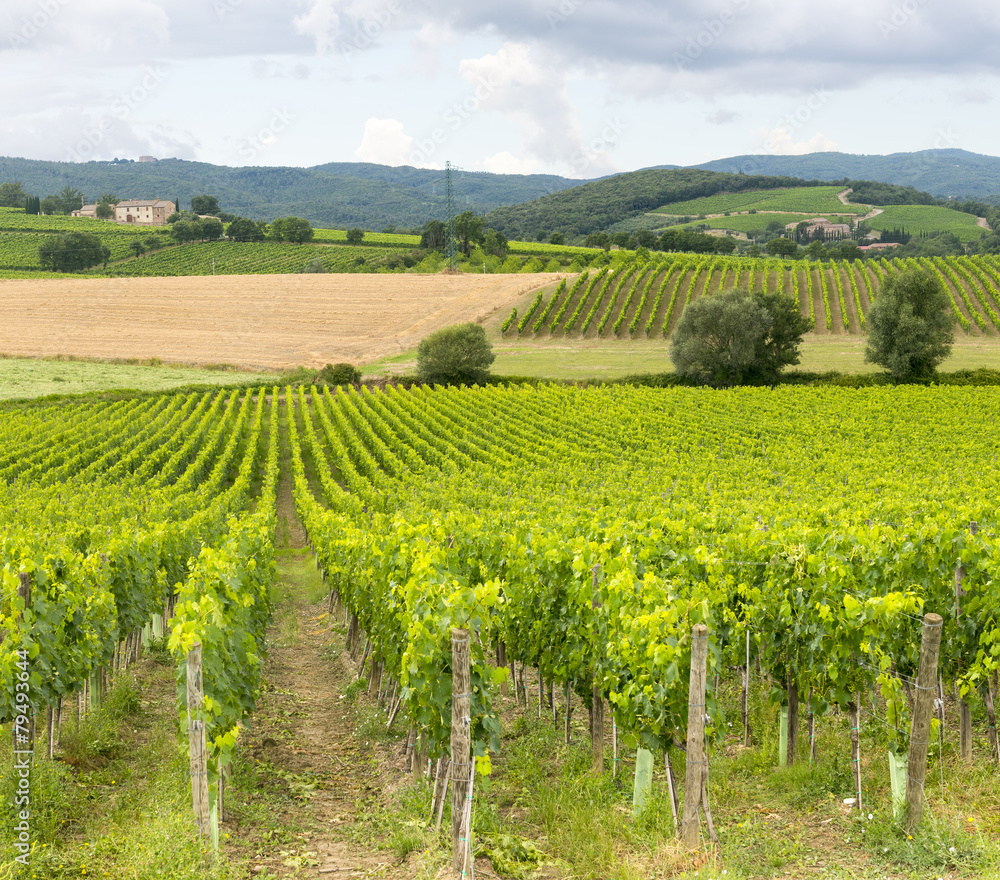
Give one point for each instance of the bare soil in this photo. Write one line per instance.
(254, 321)
(305, 736)
(306, 732)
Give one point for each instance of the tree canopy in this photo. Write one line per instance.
(242, 229)
(495, 244)
(468, 231)
(459, 354)
(433, 235)
(910, 326)
(71, 252)
(12, 195)
(70, 199)
(782, 247)
(204, 204)
(737, 337)
(293, 229)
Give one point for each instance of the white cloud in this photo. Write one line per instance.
(321, 22)
(75, 136)
(384, 143)
(265, 68)
(723, 117)
(779, 142)
(974, 96)
(506, 162)
(427, 44)
(533, 97)
(112, 31)
(536, 90)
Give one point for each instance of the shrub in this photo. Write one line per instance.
(460, 354)
(314, 265)
(340, 374)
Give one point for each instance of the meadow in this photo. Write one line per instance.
(25, 378)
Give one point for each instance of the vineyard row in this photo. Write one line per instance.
(637, 298)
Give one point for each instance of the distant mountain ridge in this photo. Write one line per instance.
(335, 194)
(945, 173)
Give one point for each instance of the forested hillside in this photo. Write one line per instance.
(602, 203)
(338, 194)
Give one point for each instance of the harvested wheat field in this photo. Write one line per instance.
(265, 321)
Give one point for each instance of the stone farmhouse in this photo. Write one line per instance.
(820, 227)
(143, 212)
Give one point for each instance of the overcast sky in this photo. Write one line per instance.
(573, 87)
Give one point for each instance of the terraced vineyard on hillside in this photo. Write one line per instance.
(927, 219)
(818, 199)
(633, 297)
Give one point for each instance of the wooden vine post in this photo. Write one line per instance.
(696, 761)
(792, 743)
(597, 696)
(196, 742)
(461, 747)
(23, 740)
(964, 711)
(569, 710)
(854, 714)
(991, 716)
(745, 708)
(920, 732)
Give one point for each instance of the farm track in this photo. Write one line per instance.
(852, 309)
(304, 729)
(821, 329)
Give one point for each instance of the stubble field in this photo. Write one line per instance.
(266, 322)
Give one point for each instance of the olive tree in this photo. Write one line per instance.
(736, 337)
(910, 326)
(459, 354)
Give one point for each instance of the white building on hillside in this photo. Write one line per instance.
(145, 212)
(148, 212)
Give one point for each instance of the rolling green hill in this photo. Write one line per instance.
(656, 199)
(338, 194)
(602, 203)
(925, 219)
(817, 200)
(944, 173)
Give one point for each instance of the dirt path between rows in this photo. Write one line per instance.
(306, 736)
(306, 733)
